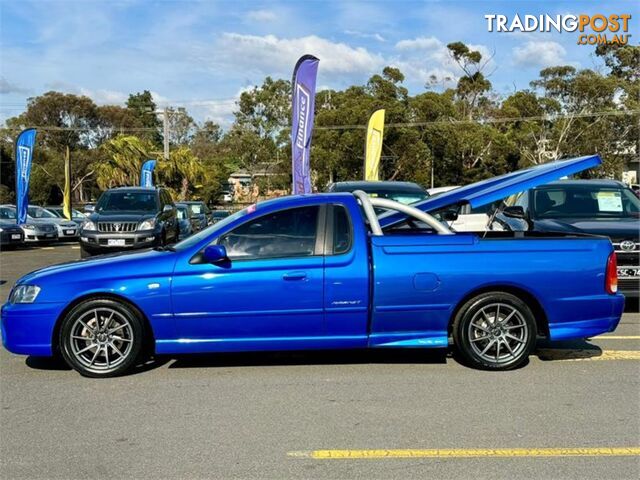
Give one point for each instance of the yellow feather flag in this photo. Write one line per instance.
(375, 129)
(66, 202)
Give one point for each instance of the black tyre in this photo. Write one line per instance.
(101, 338)
(494, 331)
(84, 253)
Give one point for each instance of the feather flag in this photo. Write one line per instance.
(66, 201)
(304, 99)
(373, 147)
(24, 158)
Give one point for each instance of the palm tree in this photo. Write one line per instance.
(182, 174)
(125, 156)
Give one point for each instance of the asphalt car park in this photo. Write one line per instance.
(572, 412)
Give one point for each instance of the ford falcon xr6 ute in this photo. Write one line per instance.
(324, 272)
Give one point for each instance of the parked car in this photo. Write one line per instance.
(403, 192)
(127, 218)
(275, 277)
(76, 215)
(464, 218)
(35, 229)
(67, 229)
(217, 215)
(199, 212)
(11, 234)
(599, 207)
(185, 223)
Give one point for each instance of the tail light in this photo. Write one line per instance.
(611, 276)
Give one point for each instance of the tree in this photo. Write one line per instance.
(122, 161)
(143, 108)
(472, 86)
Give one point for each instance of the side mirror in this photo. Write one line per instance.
(515, 211)
(450, 215)
(215, 254)
(168, 208)
(89, 208)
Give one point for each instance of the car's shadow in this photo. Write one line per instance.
(545, 351)
(566, 350)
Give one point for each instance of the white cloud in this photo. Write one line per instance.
(270, 54)
(358, 34)
(105, 97)
(261, 16)
(420, 43)
(539, 54)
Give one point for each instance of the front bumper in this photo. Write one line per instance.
(40, 236)
(27, 329)
(8, 237)
(68, 233)
(111, 242)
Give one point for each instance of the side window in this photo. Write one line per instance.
(342, 232)
(287, 233)
(521, 200)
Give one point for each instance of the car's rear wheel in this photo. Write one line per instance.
(495, 331)
(101, 338)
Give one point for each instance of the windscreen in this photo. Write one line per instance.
(37, 212)
(585, 201)
(127, 202)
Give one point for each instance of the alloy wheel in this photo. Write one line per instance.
(498, 333)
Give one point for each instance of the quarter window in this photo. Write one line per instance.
(287, 233)
(341, 231)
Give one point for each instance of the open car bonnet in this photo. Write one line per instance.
(496, 188)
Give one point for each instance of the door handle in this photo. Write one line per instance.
(298, 275)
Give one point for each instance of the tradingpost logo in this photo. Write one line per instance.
(593, 29)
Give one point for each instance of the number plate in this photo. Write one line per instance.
(15, 236)
(49, 235)
(628, 272)
(116, 242)
(69, 232)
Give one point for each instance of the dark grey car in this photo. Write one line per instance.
(129, 218)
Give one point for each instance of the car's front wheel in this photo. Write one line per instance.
(101, 338)
(495, 331)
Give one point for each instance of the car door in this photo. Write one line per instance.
(346, 278)
(270, 293)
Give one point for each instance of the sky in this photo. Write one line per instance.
(202, 54)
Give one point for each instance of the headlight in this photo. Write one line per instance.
(1, 229)
(24, 294)
(88, 225)
(148, 224)
(29, 227)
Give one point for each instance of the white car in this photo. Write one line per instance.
(67, 229)
(469, 219)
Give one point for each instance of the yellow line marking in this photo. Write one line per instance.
(78, 248)
(470, 453)
(617, 337)
(617, 355)
(48, 248)
(576, 355)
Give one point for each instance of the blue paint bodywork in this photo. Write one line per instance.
(396, 290)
